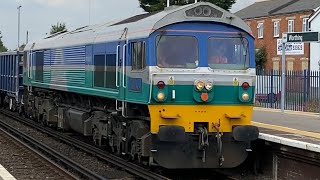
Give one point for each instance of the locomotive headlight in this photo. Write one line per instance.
(198, 11)
(245, 96)
(206, 11)
(160, 96)
(209, 85)
(199, 85)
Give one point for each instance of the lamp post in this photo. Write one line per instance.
(319, 87)
(19, 27)
(89, 12)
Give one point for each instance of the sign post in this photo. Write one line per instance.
(283, 64)
(293, 37)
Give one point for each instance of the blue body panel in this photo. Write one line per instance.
(11, 74)
(202, 31)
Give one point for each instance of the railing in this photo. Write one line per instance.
(302, 92)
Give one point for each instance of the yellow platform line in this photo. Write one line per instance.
(286, 129)
(287, 112)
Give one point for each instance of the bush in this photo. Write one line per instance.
(261, 58)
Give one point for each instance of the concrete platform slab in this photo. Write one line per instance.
(5, 175)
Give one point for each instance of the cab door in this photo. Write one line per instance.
(121, 78)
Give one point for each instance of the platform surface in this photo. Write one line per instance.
(296, 129)
(291, 119)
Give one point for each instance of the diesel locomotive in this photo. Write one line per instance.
(173, 88)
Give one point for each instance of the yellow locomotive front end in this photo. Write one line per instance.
(201, 95)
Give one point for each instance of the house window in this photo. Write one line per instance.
(305, 25)
(138, 55)
(289, 65)
(275, 65)
(276, 27)
(290, 25)
(304, 65)
(260, 30)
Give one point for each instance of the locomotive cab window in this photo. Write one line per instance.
(138, 55)
(230, 53)
(177, 51)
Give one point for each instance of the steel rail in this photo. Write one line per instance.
(53, 153)
(59, 168)
(117, 161)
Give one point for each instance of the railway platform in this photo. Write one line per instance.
(289, 144)
(5, 175)
(296, 129)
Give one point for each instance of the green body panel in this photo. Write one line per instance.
(88, 88)
(186, 94)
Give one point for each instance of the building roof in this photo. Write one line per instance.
(314, 15)
(276, 7)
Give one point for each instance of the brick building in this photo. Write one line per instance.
(268, 19)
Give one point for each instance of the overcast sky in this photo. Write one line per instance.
(37, 16)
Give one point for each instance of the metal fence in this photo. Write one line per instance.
(302, 92)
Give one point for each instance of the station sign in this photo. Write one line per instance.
(301, 37)
(291, 48)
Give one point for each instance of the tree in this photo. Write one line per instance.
(58, 28)
(157, 5)
(2, 47)
(261, 58)
(22, 47)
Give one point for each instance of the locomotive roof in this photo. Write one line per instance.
(139, 26)
(10, 53)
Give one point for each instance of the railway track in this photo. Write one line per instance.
(95, 156)
(25, 161)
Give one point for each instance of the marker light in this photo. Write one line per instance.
(209, 85)
(245, 96)
(199, 85)
(245, 85)
(161, 84)
(160, 96)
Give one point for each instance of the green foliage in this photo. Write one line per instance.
(261, 58)
(158, 5)
(22, 47)
(2, 47)
(58, 28)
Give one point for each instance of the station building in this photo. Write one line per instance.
(314, 22)
(268, 19)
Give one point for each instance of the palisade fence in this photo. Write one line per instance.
(302, 91)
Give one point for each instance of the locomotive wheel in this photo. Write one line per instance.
(133, 148)
(20, 110)
(43, 119)
(95, 134)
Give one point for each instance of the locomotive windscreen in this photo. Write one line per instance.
(177, 51)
